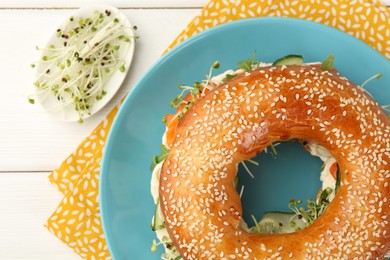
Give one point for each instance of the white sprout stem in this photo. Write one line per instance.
(322, 209)
(88, 48)
(92, 91)
(70, 83)
(187, 87)
(51, 65)
(208, 79)
(376, 76)
(88, 41)
(118, 33)
(252, 162)
(58, 78)
(102, 32)
(256, 223)
(62, 105)
(66, 25)
(297, 212)
(247, 169)
(101, 41)
(54, 58)
(60, 72)
(100, 81)
(292, 217)
(207, 83)
(241, 191)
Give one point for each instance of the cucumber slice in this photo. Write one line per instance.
(158, 220)
(291, 59)
(279, 223)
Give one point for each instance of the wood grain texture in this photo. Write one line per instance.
(175, 4)
(31, 142)
(30, 139)
(26, 201)
(117, 3)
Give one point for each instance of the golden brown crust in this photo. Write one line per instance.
(239, 119)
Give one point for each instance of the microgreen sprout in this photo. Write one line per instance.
(153, 248)
(169, 246)
(229, 77)
(195, 90)
(31, 100)
(386, 107)
(185, 109)
(328, 64)
(256, 228)
(215, 65)
(252, 162)
(376, 76)
(241, 191)
(314, 208)
(159, 158)
(274, 149)
(76, 67)
(247, 170)
(248, 64)
(177, 100)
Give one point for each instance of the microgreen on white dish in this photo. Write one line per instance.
(84, 62)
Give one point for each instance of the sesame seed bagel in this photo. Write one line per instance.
(241, 117)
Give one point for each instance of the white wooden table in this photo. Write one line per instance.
(32, 143)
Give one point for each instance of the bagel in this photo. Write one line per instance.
(237, 120)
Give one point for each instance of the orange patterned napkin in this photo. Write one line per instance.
(77, 219)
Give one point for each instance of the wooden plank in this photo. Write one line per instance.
(116, 3)
(30, 139)
(26, 201)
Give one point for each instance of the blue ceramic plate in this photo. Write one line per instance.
(126, 204)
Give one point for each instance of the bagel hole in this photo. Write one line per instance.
(291, 173)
